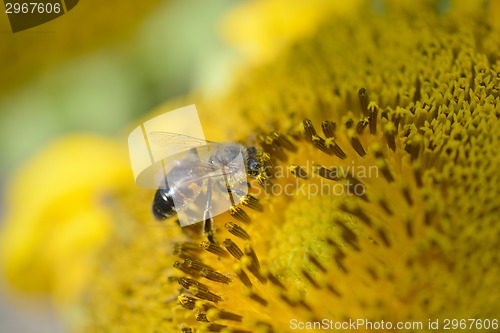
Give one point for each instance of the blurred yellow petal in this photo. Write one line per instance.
(260, 29)
(56, 213)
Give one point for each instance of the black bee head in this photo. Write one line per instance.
(253, 164)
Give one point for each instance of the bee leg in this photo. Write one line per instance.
(208, 222)
(234, 192)
(239, 193)
(209, 230)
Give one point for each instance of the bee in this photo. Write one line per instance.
(206, 180)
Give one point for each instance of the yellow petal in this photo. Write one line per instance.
(56, 214)
(260, 29)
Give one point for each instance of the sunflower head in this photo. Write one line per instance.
(376, 197)
(373, 193)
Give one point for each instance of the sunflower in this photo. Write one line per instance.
(377, 203)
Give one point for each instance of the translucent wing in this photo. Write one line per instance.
(185, 166)
(195, 193)
(189, 166)
(168, 139)
(188, 172)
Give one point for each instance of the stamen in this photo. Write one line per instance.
(373, 111)
(201, 317)
(196, 265)
(213, 327)
(409, 228)
(298, 171)
(320, 143)
(349, 236)
(187, 301)
(205, 294)
(363, 101)
(390, 135)
(354, 209)
(406, 194)
(187, 283)
(173, 279)
(335, 148)
(316, 263)
(417, 171)
(212, 248)
(239, 214)
(328, 128)
(274, 280)
(305, 305)
(214, 276)
(415, 146)
(382, 166)
(242, 275)
(256, 297)
(377, 151)
(198, 289)
(183, 268)
(236, 230)
(288, 300)
(203, 305)
(265, 159)
(284, 141)
(332, 289)
(361, 125)
(216, 314)
(268, 140)
(385, 206)
(248, 262)
(182, 255)
(251, 253)
(372, 272)
(397, 116)
(339, 254)
(232, 248)
(383, 237)
(309, 129)
(264, 181)
(356, 144)
(264, 327)
(187, 246)
(310, 279)
(326, 173)
(272, 146)
(252, 202)
(355, 183)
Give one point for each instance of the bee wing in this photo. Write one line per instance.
(162, 138)
(183, 174)
(191, 184)
(192, 195)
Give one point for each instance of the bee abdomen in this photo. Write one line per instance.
(163, 204)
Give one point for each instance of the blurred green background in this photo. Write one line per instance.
(74, 81)
(96, 69)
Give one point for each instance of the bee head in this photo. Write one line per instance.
(253, 162)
